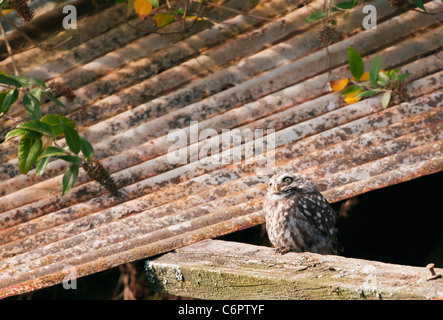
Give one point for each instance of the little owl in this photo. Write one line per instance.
(298, 217)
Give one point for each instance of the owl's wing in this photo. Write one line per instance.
(319, 213)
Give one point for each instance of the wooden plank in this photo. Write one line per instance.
(214, 269)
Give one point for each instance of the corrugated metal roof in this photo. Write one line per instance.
(134, 88)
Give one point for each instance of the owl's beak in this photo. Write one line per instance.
(276, 187)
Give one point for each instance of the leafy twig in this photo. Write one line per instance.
(38, 142)
(365, 84)
(328, 35)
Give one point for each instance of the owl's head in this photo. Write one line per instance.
(284, 182)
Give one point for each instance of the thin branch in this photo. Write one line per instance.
(249, 5)
(12, 24)
(328, 57)
(55, 46)
(185, 12)
(327, 7)
(197, 16)
(8, 47)
(214, 21)
(11, 118)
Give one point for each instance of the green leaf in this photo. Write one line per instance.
(403, 76)
(392, 73)
(355, 63)
(22, 132)
(32, 106)
(87, 149)
(69, 178)
(181, 11)
(130, 8)
(386, 99)
(154, 3)
(2, 99)
(316, 16)
(350, 89)
(162, 19)
(28, 151)
(52, 151)
(383, 79)
(9, 100)
(367, 93)
(53, 120)
(37, 93)
(53, 98)
(38, 126)
(38, 82)
(41, 164)
(72, 159)
(72, 138)
(419, 4)
(375, 70)
(23, 81)
(9, 81)
(345, 5)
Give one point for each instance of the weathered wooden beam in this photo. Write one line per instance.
(214, 269)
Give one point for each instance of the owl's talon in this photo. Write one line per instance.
(280, 250)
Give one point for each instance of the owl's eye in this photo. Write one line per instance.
(287, 179)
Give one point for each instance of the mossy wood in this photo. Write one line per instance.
(214, 269)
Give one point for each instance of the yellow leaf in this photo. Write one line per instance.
(142, 8)
(192, 18)
(162, 19)
(350, 97)
(339, 85)
(7, 11)
(364, 77)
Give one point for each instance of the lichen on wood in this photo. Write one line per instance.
(215, 269)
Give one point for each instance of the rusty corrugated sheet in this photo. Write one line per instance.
(241, 73)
